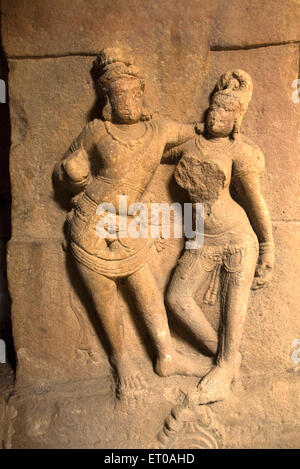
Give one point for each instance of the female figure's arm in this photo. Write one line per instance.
(248, 187)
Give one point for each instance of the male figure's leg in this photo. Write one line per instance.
(103, 292)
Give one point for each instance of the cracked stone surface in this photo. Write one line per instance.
(77, 29)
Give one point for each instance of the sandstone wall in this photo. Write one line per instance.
(182, 46)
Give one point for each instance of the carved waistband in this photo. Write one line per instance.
(233, 258)
(122, 182)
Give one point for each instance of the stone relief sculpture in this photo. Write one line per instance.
(113, 156)
(99, 325)
(238, 248)
(191, 426)
(221, 168)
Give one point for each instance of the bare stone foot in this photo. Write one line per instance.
(129, 382)
(95, 356)
(178, 364)
(129, 388)
(215, 386)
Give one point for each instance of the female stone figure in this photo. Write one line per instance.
(127, 149)
(235, 235)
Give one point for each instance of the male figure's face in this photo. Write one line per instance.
(221, 116)
(126, 99)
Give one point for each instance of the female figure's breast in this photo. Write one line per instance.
(204, 172)
(206, 175)
(203, 179)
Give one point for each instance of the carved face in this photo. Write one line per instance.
(221, 116)
(126, 99)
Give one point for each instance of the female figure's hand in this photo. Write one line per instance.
(264, 265)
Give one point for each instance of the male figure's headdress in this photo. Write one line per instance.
(112, 64)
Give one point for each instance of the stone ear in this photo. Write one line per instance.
(146, 115)
(236, 127)
(107, 111)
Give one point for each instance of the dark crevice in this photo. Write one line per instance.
(51, 56)
(250, 46)
(5, 213)
(299, 62)
(213, 48)
(288, 220)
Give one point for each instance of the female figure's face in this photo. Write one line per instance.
(126, 99)
(221, 116)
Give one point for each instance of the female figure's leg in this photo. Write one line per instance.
(235, 293)
(180, 297)
(150, 304)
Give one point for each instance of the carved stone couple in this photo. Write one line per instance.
(127, 147)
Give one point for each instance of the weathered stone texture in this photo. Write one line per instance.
(246, 24)
(180, 46)
(32, 29)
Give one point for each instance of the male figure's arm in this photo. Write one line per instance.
(176, 135)
(73, 170)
